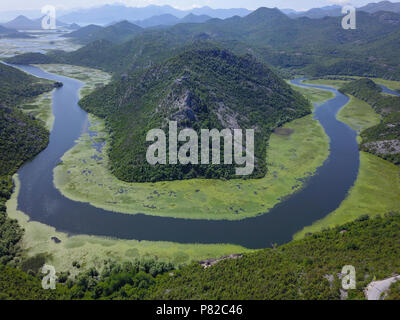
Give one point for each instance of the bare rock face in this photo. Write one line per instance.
(384, 147)
(186, 107)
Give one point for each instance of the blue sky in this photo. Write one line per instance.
(11, 5)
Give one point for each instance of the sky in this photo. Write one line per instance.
(13, 5)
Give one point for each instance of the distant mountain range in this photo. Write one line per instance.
(381, 6)
(335, 10)
(170, 20)
(297, 45)
(153, 15)
(117, 33)
(317, 13)
(125, 30)
(105, 14)
(23, 23)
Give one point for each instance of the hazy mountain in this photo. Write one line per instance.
(221, 13)
(23, 23)
(4, 30)
(381, 6)
(192, 18)
(162, 20)
(117, 33)
(84, 34)
(318, 13)
(170, 20)
(117, 12)
(314, 46)
(288, 11)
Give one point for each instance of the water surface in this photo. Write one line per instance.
(323, 193)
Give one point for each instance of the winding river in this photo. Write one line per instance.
(323, 193)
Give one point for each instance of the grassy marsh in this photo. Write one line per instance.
(92, 78)
(377, 188)
(92, 250)
(84, 176)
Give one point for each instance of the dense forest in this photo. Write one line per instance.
(21, 138)
(305, 269)
(314, 47)
(200, 89)
(383, 139)
(117, 33)
(17, 86)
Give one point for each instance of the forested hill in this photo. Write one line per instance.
(383, 139)
(301, 270)
(314, 46)
(304, 269)
(21, 138)
(117, 33)
(16, 86)
(200, 88)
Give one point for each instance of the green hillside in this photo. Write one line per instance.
(117, 33)
(200, 89)
(304, 269)
(17, 86)
(383, 139)
(21, 138)
(313, 46)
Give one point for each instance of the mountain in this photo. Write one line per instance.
(381, 6)
(84, 34)
(21, 138)
(307, 269)
(17, 86)
(162, 20)
(117, 33)
(23, 23)
(315, 47)
(192, 18)
(117, 12)
(220, 13)
(383, 139)
(170, 20)
(4, 30)
(200, 88)
(288, 11)
(318, 13)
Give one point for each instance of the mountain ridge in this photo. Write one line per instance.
(203, 88)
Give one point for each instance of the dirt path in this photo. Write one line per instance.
(376, 288)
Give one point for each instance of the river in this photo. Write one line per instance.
(323, 193)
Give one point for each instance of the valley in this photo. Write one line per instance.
(78, 192)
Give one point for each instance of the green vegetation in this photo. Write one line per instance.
(378, 184)
(84, 176)
(200, 89)
(383, 139)
(315, 47)
(358, 114)
(304, 269)
(117, 33)
(18, 285)
(314, 95)
(17, 86)
(394, 293)
(21, 138)
(92, 251)
(41, 108)
(375, 192)
(92, 78)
